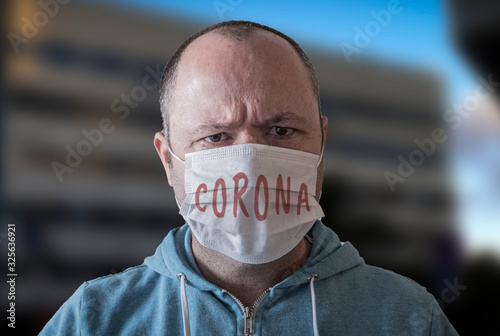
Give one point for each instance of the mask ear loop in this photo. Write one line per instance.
(320, 156)
(184, 162)
(175, 156)
(171, 151)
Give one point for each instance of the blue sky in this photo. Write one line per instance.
(417, 36)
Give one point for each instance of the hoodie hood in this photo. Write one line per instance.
(328, 257)
(334, 292)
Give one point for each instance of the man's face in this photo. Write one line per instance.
(229, 92)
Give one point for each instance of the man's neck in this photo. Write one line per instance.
(247, 281)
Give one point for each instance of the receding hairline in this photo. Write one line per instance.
(246, 39)
(239, 31)
(196, 47)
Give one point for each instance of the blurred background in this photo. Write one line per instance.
(390, 74)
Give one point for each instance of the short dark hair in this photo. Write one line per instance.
(237, 30)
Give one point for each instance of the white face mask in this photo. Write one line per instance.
(253, 203)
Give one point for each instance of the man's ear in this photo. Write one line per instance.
(160, 143)
(324, 120)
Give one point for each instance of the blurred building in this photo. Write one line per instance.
(115, 207)
(376, 113)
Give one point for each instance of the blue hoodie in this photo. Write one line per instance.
(334, 293)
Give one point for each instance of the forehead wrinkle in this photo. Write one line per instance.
(223, 122)
(281, 117)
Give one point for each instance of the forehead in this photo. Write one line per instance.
(260, 67)
(258, 47)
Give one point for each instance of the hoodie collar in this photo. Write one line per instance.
(174, 256)
(328, 257)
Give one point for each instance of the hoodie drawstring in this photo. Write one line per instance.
(184, 304)
(313, 300)
(185, 310)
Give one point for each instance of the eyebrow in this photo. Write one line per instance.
(285, 116)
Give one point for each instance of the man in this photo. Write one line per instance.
(242, 148)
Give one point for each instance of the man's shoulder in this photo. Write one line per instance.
(138, 278)
(127, 274)
(386, 276)
(382, 283)
(106, 304)
(117, 296)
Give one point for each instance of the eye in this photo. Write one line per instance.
(214, 138)
(281, 131)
